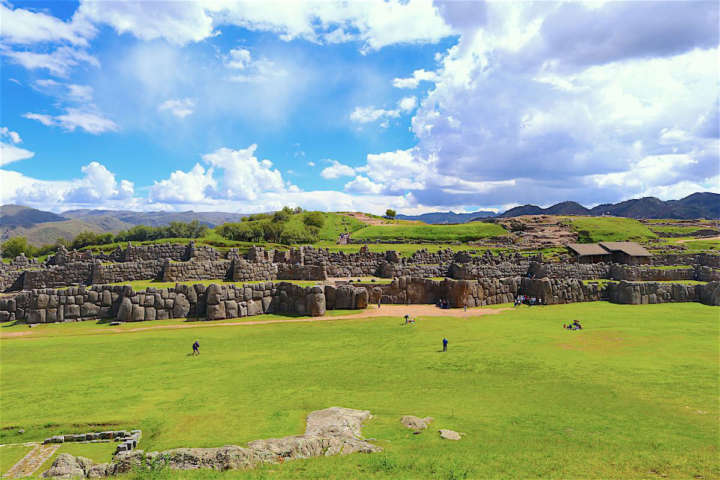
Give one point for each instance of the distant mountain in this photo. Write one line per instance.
(157, 219)
(523, 210)
(41, 227)
(447, 217)
(567, 208)
(697, 205)
(19, 216)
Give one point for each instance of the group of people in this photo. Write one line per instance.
(575, 325)
(442, 303)
(527, 300)
(409, 320)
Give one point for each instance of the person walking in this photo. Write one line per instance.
(196, 348)
(445, 342)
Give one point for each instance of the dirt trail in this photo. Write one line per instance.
(384, 311)
(699, 238)
(32, 461)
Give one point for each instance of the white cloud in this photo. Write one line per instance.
(20, 26)
(74, 118)
(10, 153)
(371, 114)
(180, 107)
(376, 23)
(417, 77)
(13, 136)
(244, 176)
(184, 187)
(337, 170)
(238, 58)
(407, 104)
(97, 188)
(311, 164)
(58, 62)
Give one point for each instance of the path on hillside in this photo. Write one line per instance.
(32, 461)
(698, 238)
(398, 311)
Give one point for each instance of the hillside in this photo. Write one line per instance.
(433, 233)
(447, 217)
(19, 216)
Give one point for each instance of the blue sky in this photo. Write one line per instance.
(416, 105)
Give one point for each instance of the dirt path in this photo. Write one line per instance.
(370, 220)
(698, 238)
(384, 311)
(32, 461)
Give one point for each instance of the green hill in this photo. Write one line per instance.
(609, 229)
(464, 232)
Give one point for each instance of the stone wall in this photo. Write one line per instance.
(703, 259)
(126, 271)
(473, 271)
(160, 251)
(244, 271)
(458, 293)
(76, 273)
(294, 271)
(214, 302)
(554, 291)
(582, 271)
(649, 293)
(197, 270)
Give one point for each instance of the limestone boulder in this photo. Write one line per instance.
(67, 466)
(315, 304)
(416, 423)
(181, 306)
(449, 435)
(125, 310)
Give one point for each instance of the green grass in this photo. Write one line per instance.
(10, 455)
(669, 267)
(604, 281)
(211, 239)
(609, 229)
(534, 400)
(465, 232)
(685, 230)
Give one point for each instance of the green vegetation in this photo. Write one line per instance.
(10, 455)
(676, 230)
(465, 232)
(143, 284)
(669, 267)
(290, 226)
(533, 400)
(604, 281)
(390, 213)
(609, 229)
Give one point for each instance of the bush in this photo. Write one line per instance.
(15, 246)
(314, 219)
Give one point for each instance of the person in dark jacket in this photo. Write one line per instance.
(196, 348)
(445, 342)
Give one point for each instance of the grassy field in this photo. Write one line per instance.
(10, 455)
(534, 400)
(465, 232)
(676, 230)
(609, 229)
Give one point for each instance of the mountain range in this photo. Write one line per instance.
(698, 205)
(41, 227)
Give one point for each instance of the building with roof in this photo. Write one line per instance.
(589, 253)
(628, 253)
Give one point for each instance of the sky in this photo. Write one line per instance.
(415, 105)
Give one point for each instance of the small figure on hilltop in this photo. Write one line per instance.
(196, 348)
(445, 342)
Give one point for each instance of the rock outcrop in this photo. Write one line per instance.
(332, 431)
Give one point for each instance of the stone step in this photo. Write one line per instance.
(29, 464)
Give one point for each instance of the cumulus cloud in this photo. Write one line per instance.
(413, 81)
(20, 26)
(184, 187)
(86, 119)
(180, 107)
(337, 170)
(10, 152)
(98, 187)
(375, 23)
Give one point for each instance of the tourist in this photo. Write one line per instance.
(196, 348)
(407, 319)
(379, 300)
(445, 342)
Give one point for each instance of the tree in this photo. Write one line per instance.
(15, 246)
(314, 219)
(390, 213)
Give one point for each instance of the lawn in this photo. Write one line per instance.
(534, 400)
(609, 229)
(465, 232)
(10, 455)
